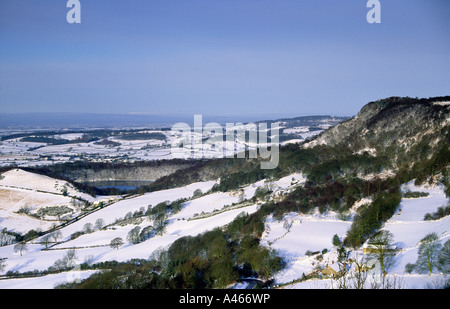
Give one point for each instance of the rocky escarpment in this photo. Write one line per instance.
(149, 173)
(394, 126)
(92, 172)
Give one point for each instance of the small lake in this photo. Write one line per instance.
(124, 185)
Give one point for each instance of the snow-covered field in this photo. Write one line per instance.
(22, 191)
(113, 148)
(17, 178)
(94, 246)
(314, 233)
(45, 282)
(292, 237)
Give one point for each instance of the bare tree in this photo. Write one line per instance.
(133, 235)
(360, 273)
(56, 235)
(429, 250)
(68, 261)
(384, 281)
(88, 228)
(444, 258)
(70, 258)
(5, 238)
(342, 279)
(99, 224)
(46, 240)
(20, 247)
(160, 223)
(116, 243)
(2, 264)
(382, 249)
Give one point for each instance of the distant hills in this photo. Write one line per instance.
(53, 121)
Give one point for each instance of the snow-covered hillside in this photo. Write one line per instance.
(18, 178)
(300, 239)
(296, 234)
(25, 195)
(198, 214)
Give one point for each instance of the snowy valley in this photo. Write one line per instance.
(299, 238)
(312, 222)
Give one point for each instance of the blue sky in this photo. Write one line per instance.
(220, 57)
